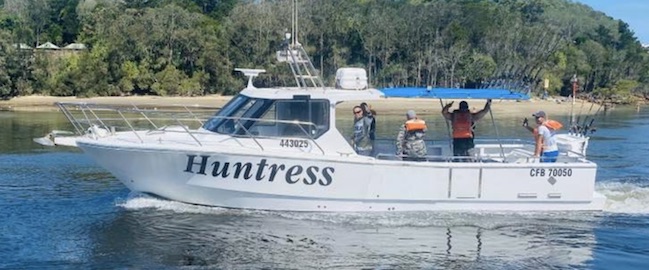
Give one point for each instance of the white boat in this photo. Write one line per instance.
(279, 149)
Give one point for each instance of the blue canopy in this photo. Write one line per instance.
(453, 93)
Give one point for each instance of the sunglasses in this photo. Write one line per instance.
(358, 111)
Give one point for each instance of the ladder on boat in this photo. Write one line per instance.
(303, 70)
(292, 52)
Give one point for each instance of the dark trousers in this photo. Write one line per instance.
(461, 146)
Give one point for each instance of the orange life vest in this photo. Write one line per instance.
(415, 125)
(551, 124)
(462, 124)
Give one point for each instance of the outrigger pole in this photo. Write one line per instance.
(500, 143)
(448, 127)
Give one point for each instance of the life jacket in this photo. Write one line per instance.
(415, 125)
(462, 124)
(551, 124)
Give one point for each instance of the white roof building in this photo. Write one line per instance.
(75, 46)
(48, 46)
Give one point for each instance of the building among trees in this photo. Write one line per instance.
(48, 46)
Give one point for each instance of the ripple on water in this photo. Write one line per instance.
(625, 195)
(224, 238)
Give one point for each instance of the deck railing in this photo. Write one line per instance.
(92, 119)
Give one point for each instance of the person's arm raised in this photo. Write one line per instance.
(477, 116)
(445, 112)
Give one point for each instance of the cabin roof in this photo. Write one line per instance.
(454, 93)
(332, 94)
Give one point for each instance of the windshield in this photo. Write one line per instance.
(219, 119)
(298, 117)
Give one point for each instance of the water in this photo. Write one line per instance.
(60, 210)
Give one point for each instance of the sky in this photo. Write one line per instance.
(633, 12)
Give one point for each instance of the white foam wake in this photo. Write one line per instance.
(621, 198)
(141, 201)
(624, 197)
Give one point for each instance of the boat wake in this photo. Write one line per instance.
(625, 197)
(138, 201)
(630, 197)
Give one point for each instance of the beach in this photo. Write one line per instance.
(386, 106)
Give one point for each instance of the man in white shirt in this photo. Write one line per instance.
(546, 145)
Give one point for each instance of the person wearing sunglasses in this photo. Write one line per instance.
(361, 137)
(371, 114)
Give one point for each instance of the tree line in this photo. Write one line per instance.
(191, 47)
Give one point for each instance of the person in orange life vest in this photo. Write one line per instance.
(410, 140)
(545, 144)
(462, 121)
(552, 124)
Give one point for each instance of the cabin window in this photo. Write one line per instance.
(225, 119)
(300, 117)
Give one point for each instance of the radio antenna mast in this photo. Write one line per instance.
(303, 70)
(294, 23)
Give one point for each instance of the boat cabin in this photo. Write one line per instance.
(289, 118)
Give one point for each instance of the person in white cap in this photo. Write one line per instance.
(546, 145)
(410, 140)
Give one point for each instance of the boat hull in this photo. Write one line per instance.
(242, 178)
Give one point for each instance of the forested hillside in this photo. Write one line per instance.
(190, 47)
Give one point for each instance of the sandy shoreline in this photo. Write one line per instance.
(382, 106)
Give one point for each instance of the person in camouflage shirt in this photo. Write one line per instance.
(361, 138)
(410, 140)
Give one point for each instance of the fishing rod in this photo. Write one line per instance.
(592, 120)
(576, 123)
(583, 125)
(588, 127)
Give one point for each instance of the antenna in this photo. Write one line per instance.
(294, 23)
(251, 73)
(304, 72)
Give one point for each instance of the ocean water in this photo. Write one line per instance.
(59, 210)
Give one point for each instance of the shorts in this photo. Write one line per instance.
(461, 146)
(549, 157)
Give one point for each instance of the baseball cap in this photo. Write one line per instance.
(539, 114)
(411, 114)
